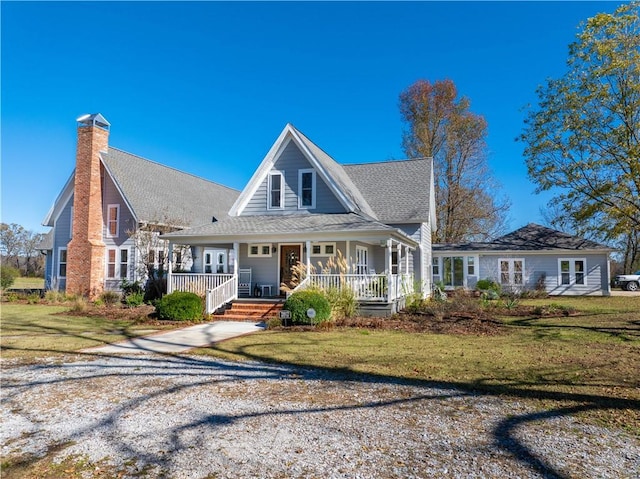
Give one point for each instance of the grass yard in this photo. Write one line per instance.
(591, 360)
(28, 283)
(586, 363)
(33, 331)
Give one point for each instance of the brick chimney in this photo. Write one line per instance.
(86, 250)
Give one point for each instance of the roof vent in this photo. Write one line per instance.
(94, 120)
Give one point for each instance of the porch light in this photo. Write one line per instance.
(274, 249)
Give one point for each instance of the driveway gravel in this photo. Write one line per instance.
(196, 417)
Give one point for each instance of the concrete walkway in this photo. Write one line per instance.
(180, 340)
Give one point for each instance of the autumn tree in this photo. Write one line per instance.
(440, 125)
(582, 140)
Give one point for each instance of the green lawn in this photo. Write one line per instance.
(28, 283)
(590, 361)
(33, 331)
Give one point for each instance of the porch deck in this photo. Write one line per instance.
(220, 289)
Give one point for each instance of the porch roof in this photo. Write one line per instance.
(302, 225)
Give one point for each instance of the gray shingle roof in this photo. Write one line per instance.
(397, 191)
(287, 225)
(339, 175)
(532, 237)
(47, 241)
(158, 193)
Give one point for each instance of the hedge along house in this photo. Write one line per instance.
(303, 209)
(532, 257)
(110, 197)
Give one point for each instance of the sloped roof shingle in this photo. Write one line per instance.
(532, 237)
(158, 193)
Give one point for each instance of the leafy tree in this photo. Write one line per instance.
(441, 126)
(19, 247)
(11, 239)
(583, 139)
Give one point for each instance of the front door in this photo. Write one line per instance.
(289, 257)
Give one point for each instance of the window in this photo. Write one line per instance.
(260, 250)
(572, 271)
(471, 265)
(71, 222)
(436, 266)
(394, 262)
(113, 219)
(276, 191)
(124, 263)
(512, 271)
(118, 263)
(62, 262)
(306, 189)
(453, 271)
(323, 249)
(362, 260)
(111, 263)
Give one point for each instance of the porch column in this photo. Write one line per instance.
(388, 263)
(236, 257)
(170, 269)
(406, 260)
(308, 258)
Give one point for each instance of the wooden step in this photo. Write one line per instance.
(252, 310)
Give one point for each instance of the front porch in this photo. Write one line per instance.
(368, 289)
(223, 273)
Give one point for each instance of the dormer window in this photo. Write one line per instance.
(276, 191)
(306, 189)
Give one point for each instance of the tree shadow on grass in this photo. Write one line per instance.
(191, 372)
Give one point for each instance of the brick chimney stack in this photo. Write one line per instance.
(86, 250)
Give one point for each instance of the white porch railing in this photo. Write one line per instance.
(222, 288)
(197, 282)
(222, 294)
(379, 287)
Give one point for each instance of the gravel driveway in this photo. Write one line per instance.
(194, 417)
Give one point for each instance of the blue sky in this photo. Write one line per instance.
(206, 87)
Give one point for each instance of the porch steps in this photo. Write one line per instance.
(251, 310)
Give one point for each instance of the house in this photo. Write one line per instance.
(532, 257)
(303, 209)
(109, 199)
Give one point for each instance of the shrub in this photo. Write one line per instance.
(53, 296)
(110, 298)
(344, 303)
(8, 275)
(180, 306)
(133, 299)
(299, 303)
(79, 304)
(487, 285)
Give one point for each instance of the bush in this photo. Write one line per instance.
(8, 275)
(344, 304)
(299, 303)
(487, 285)
(133, 299)
(110, 298)
(180, 306)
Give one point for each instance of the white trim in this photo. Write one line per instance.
(117, 273)
(57, 265)
(287, 135)
(323, 248)
(511, 272)
(362, 267)
(260, 250)
(108, 233)
(270, 175)
(572, 272)
(301, 172)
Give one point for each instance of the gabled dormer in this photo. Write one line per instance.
(296, 176)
